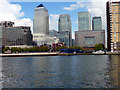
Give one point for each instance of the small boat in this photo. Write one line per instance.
(99, 52)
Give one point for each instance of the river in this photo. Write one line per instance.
(79, 71)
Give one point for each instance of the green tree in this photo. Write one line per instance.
(6, 49)
(57, 49)
(26, 49)
(63, 47)
(99, 46)
(44, 49)
(34, 49)
(19, 49)
(14, 49)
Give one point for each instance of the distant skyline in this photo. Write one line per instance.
(22, 13)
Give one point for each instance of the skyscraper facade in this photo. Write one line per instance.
(113, 26)
(64, 27)
(64, 23)
(84, 21)
(96, 23)
(41, 20)
(41, 27)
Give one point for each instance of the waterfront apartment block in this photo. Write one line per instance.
(12, 36)
(96, 23)
(41, 20)
(64, 27)
(89, 38)
(113, 26)
(84, 21)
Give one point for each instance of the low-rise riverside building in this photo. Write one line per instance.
(41, 39)
(89, 38)
(15, 35)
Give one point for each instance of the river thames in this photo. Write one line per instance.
(79, 71)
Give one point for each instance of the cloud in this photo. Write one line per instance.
(74, 6)
(14, 13)
(53, 21)
(98, 8)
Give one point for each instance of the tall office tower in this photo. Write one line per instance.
(64, 26)
(96, 23)
(113, 26)
(84, 21)
(64, 23)
(41, 20)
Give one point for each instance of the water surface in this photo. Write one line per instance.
(81, 71)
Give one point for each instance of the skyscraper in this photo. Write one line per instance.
(41, 27)
(113, 26)
(41, 20)
(64, 26)
(64, 23)
(84, 21)
(96, 23)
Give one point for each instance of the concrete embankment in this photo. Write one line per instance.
(50, 54)
(28, 54)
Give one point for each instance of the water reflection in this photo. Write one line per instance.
(62, 71)
(114, 71)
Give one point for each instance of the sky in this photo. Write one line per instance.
(22, 11)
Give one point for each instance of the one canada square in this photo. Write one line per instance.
(41, 20)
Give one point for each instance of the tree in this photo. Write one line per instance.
(99, 46)
(44, 49)
(57, 49)
(34, 49)
(19, 49)
(6, 49)
(14, 49)
(63, 47)
(26, 50)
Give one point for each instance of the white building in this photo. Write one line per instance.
(41, 39)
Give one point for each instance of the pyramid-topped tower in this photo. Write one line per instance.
(41, 5)
(41, 20)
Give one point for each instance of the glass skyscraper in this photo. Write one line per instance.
(96, 23)
(41, 20)
(64, 23)
(64, 26)
(84, 21)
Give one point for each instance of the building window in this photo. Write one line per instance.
(89, 41)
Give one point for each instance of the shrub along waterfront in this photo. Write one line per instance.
(32, 49)
(99, 46)
(46, 48)
(37, 49)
